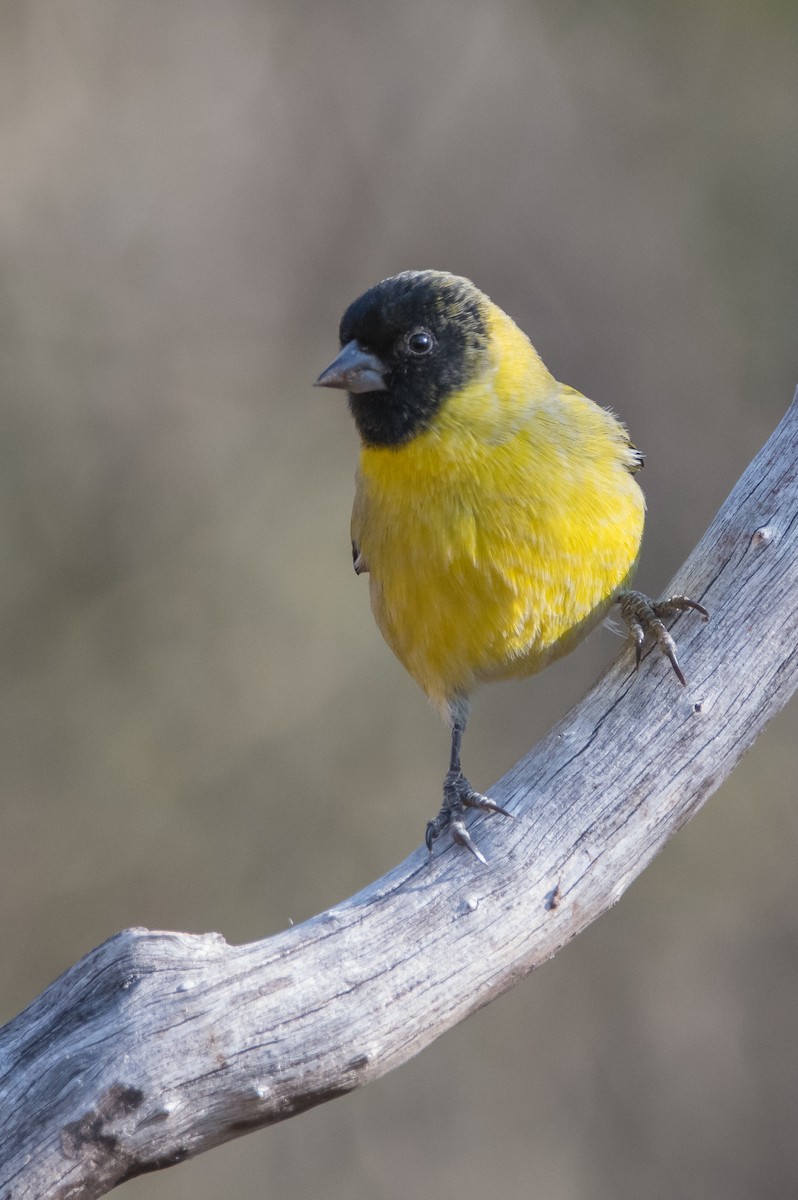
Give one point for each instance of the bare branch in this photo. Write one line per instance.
(157, 1046)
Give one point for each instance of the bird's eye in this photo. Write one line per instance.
(420, 342)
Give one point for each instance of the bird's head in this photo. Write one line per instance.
(408, 344)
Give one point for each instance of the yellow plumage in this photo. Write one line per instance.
(496, 510)
(497, 537)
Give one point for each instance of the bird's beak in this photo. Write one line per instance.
(354, 370)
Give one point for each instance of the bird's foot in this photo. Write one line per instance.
(458, 795)
(644, 617)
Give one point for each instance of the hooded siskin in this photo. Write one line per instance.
(495, 510)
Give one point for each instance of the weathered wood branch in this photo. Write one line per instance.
(157, 1046)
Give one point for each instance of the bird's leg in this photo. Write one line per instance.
(458, 795)
(643, 618)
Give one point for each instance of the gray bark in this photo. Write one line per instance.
(157, 1046)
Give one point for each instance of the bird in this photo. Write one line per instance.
(496, 511)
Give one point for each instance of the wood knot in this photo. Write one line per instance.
(762, 536)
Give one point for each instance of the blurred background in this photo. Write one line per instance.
(200, 727)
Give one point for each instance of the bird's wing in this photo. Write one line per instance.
(358, 561)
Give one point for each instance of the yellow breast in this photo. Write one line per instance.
(495, 539)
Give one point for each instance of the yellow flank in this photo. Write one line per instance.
(497, 537)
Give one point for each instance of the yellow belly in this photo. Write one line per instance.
(487, 559)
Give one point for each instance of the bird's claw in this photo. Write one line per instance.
(463, 838)
(644, 617)
(436, 827)
(458, 796)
